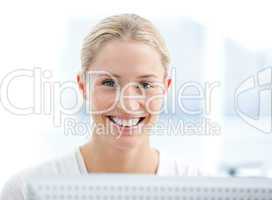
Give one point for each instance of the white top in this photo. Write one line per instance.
(73, 165)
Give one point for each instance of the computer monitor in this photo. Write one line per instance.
(147, 187)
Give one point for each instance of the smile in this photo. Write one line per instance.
(127, 123)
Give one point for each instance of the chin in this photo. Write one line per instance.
(126, 132)
(126, 145)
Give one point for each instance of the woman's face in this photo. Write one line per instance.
(126, 87)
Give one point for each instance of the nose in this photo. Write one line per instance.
(130, 100)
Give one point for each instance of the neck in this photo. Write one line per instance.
(102, 158)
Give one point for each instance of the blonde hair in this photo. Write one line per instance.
(123, 27)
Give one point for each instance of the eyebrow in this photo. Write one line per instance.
(148, 76)
(139, 77)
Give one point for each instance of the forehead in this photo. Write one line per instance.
(128, 59)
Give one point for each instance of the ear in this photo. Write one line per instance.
(81, 84)
(168, 83)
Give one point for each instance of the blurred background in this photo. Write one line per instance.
(226, 43)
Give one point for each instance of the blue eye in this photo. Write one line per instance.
(108, 82)
(146, 85)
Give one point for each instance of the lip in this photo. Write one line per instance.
(125, 116)
(124, 130)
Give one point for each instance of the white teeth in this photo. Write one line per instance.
(122, 122)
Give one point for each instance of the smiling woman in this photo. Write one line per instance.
(124, 78)
(139, 72)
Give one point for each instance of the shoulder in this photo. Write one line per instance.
(13, 188)
(188, 169)
(171, 165)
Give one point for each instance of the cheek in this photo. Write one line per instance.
(102, 101)
(153, 105)
(154, 100)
